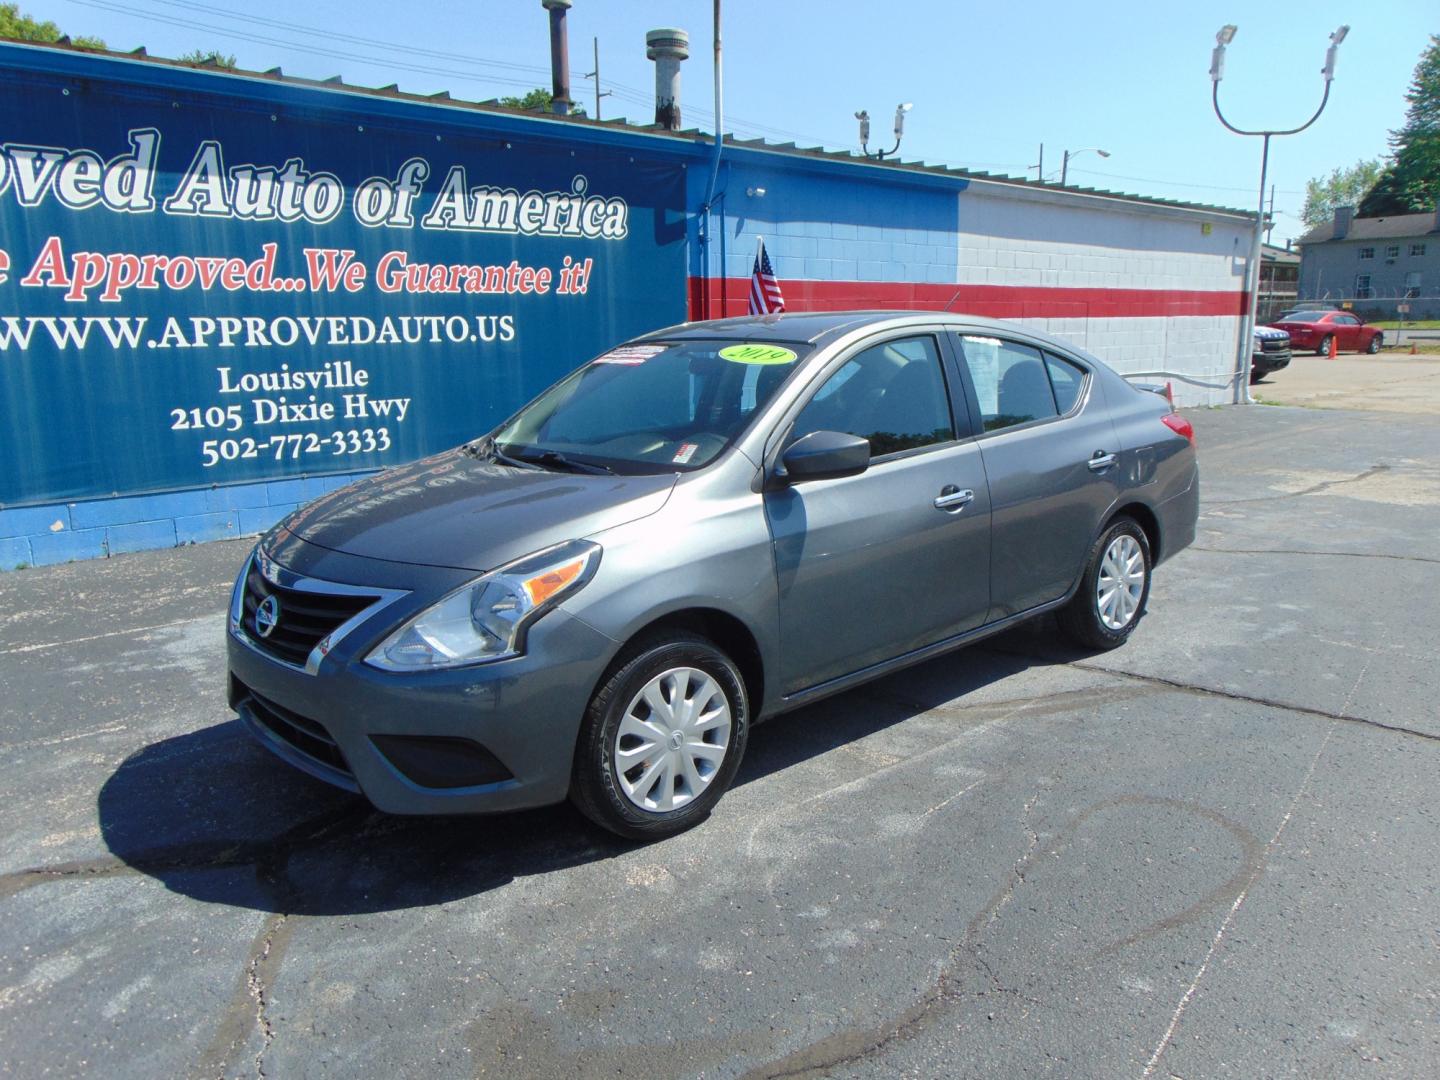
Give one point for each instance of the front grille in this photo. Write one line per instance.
(306, 617)
(305, 735)
(1275, 346)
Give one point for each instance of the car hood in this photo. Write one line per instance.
(455, 510)
(1270, 333)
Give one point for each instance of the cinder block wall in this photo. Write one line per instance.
(98, 528)
(1146, 288)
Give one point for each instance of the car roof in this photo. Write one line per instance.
(819, 327)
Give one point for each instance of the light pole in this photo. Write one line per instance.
(864, 117)
(1065, 161)
(1223, 38)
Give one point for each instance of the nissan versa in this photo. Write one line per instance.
(699, 529)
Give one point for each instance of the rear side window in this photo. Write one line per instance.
(892, 394)
(1067, 380)
(1010, 381)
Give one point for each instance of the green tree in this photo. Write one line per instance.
(538, 100)
(14, 23)
(201, 56)
(1343, 187)
(1411, 183)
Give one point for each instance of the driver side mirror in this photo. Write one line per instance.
(825, 455)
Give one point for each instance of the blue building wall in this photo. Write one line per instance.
(823, 223)
(99, 528)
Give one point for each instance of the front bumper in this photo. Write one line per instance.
(492, 737)
(1272, 360)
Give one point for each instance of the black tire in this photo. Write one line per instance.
(1080, 619)
(1375, 343)
(1324, 347)
(595, 786)
(1256, 375)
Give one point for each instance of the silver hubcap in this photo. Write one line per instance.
(672, 739)
(1122, 582)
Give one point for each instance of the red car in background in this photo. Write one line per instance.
(1316, 329)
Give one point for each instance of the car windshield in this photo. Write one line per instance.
(650, 407)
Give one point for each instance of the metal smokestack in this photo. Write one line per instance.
(559, 55)
(667, 47)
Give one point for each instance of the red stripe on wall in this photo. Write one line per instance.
(991, 301)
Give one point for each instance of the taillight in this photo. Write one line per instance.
(1178, 424)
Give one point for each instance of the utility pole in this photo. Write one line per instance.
(596, 76)
(1040, 166)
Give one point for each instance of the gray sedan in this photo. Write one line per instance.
(695, 531)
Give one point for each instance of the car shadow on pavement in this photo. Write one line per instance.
(213, 816)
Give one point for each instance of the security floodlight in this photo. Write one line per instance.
(1223, 37)
(1335, 39)
(900, 111)
(864, 117)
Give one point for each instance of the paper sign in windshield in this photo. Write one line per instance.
(757, 354)
(685, 453)
(630, 354)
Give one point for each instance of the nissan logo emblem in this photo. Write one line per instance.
(267, 616)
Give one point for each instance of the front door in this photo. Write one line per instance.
(869, 566)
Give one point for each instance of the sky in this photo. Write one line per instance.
(989, 82)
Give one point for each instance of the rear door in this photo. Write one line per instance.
(1052, 459)
(896, 558)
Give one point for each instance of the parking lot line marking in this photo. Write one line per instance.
(952, 798)
(97, 637)
(1259, 869)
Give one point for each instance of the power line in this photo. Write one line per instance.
(1174, 183)
(621, 91)
(315, 49)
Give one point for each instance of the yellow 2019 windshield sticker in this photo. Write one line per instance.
(757, 354)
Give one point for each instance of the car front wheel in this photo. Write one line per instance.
(1112, 594)
(662, 737)
(1375, 343)
(1324, 347)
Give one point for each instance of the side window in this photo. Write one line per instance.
(1067, 380)
(1010, 382)
(892, 394)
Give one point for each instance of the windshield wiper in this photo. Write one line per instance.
(553, 459)
(486, 450)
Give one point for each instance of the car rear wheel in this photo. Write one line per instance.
(1375, 343)
(1324, 347)
(1111, 599)
(662, 737)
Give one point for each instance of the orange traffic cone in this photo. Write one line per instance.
(1413, 350)
(1334, 347)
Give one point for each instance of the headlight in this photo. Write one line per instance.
(487, 619)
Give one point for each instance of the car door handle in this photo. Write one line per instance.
(1101, 460)
(951, 498)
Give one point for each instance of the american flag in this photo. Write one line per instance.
(765, 298)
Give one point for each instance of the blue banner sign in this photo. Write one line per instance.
(244, 280)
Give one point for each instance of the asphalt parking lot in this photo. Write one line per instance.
(1213, 853)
